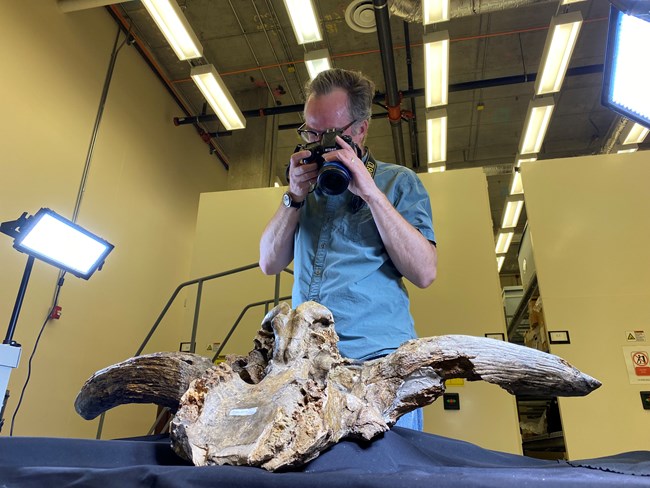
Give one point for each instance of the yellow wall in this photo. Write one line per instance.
(229, 227)
(590, 223)
(465, 300)
(142, 195)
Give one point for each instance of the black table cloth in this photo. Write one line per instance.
(399, 458)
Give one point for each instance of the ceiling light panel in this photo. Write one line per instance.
(628, 148)
(437, 136)
(634, 133)
(174, 26)
(436, 167)
(536, 123)
(512, 211)
(434, 11)
(524, 158)
(516, 186)
(218, 97)
(500, 260)
(436, 66)
(317, 61)
(504, 238)
(562, 36)
(302, 15)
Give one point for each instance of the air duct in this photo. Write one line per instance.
(411, 10)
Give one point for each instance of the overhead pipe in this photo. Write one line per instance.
(412, 121)
(260, 112)
(414, 93)
(616, 129)
(382, 21)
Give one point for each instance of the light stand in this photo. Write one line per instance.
(60, 242)
(9, 349)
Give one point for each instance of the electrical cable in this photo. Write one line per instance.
(38, 338)
(109, 74)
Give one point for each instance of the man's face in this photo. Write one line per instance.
(331, 112)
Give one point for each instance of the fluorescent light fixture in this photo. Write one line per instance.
(434, 11)
(537, 119)
(567, 2)
(524, 158)
(436, 167)
(317, 61)
(60, 242)
(562, 36)
(504, 238)
(217, 95)
(628, 148)
(500, 260)
(626, 76)
(437, 136)
(516, 186)
(436, 68)
(175, 27)
(633, 133)
(302, 15)
(512, 211)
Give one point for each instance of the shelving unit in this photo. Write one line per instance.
(519, 323)
(539, 417)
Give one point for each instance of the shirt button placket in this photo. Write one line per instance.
(321, 254)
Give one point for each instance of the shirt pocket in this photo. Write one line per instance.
(360, 228)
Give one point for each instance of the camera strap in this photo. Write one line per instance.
(357, 202)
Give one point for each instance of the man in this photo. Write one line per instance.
(351, 250)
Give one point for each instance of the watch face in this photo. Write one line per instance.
(286, 199)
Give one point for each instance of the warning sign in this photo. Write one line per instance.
(640, 361)
(635, 336)
(637, 361)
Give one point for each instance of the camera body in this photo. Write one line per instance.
(333, 177)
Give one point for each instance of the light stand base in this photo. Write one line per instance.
(9, 358)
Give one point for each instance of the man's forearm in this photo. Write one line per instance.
(413, 255)
(276, 244)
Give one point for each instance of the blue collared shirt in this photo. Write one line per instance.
(341, 262)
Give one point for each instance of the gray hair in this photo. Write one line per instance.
(360, 90)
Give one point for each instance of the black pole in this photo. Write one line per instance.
(382, 20)
(19, 303)
(412, 121)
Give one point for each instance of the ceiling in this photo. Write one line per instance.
(494, 45)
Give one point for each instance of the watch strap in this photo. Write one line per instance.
(291, 202)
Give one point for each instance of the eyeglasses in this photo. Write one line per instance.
(309, 135)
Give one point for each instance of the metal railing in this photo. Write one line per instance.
(195, 322)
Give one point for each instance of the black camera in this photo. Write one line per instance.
(333, 176)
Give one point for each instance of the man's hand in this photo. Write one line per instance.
(276, 244)
(362, 183)
(301, 176)
(413, 255)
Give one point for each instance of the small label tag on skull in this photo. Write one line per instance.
(242, 412)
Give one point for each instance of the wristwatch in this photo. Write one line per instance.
(289, 202)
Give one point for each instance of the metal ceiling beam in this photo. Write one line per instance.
(417, 92)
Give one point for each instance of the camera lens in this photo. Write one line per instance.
(333, 178)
